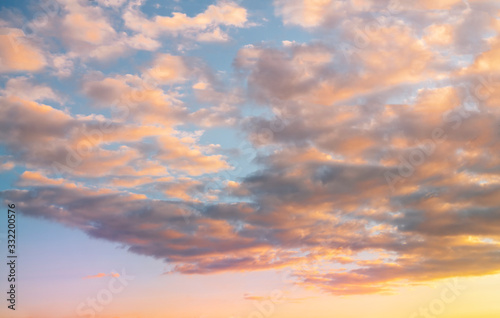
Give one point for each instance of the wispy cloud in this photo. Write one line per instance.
(100, 275)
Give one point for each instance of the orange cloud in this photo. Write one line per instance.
(307, 13)
(169, 69)
(100, 275)
(204, 26)
(366, 168)
(18, 54)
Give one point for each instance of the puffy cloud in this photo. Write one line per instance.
(390, 156)
(150, 106)
(63, 65)
(88, 26)
(139, 98)
(184, 154)
(165, 229)
(307, 74)
(85, 30)
(141, 42)
(204, 26)
(28, 130)
(439, 35)
(112, 3)
(169, 69)
(307, 13)
(24, 88)
(18, 54)
(63, 143)
(32, 178)
(217, 35)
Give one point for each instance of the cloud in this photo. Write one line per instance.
(311, 14)
(6, 165)
(112, 3)
(85, 31)
(18, 53)
(63, 65)
(141, 42)
(312, 74)
(100, 275)
(76, 30)
(373, 159)
(217, 35)
(63, 143)
(23, 87)
(308, 13)
(205, 26)
(276, 296)
(169, 69)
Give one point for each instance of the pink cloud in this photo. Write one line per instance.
(100, 275)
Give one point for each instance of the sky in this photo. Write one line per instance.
(251, 158)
